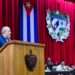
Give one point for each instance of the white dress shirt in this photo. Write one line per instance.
(61, 68)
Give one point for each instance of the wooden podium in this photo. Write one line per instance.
(12, 58)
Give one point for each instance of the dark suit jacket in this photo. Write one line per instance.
(2, 40)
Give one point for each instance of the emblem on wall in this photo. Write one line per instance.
(58, 25)
(30, 60)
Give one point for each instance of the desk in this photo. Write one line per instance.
(59, 73)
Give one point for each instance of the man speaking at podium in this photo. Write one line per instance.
(5, 35)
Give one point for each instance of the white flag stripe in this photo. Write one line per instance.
(32, 25)
(24, 24)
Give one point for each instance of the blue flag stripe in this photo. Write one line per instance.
(21, 21)
(35, 25)
(28, 28)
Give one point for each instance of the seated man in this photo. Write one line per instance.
(72, 69)
(5, 35)
(62, 67)
(49, 63)
(72, 66)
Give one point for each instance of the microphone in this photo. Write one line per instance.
(8, 38)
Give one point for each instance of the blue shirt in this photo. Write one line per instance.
(2, 40)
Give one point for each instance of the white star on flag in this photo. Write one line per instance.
(28, 4)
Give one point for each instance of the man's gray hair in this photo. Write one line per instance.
(4, 29)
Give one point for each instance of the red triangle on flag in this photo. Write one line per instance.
(28, 5)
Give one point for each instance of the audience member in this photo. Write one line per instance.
(49, 63)
(72, 68)
(62, 67)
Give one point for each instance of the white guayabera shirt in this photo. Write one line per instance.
(61, 68)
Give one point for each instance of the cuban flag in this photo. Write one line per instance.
(28, 21)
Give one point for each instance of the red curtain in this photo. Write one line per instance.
(9, 15)
(70, 0)
(56, 50)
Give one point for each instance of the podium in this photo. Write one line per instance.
(12, 58)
